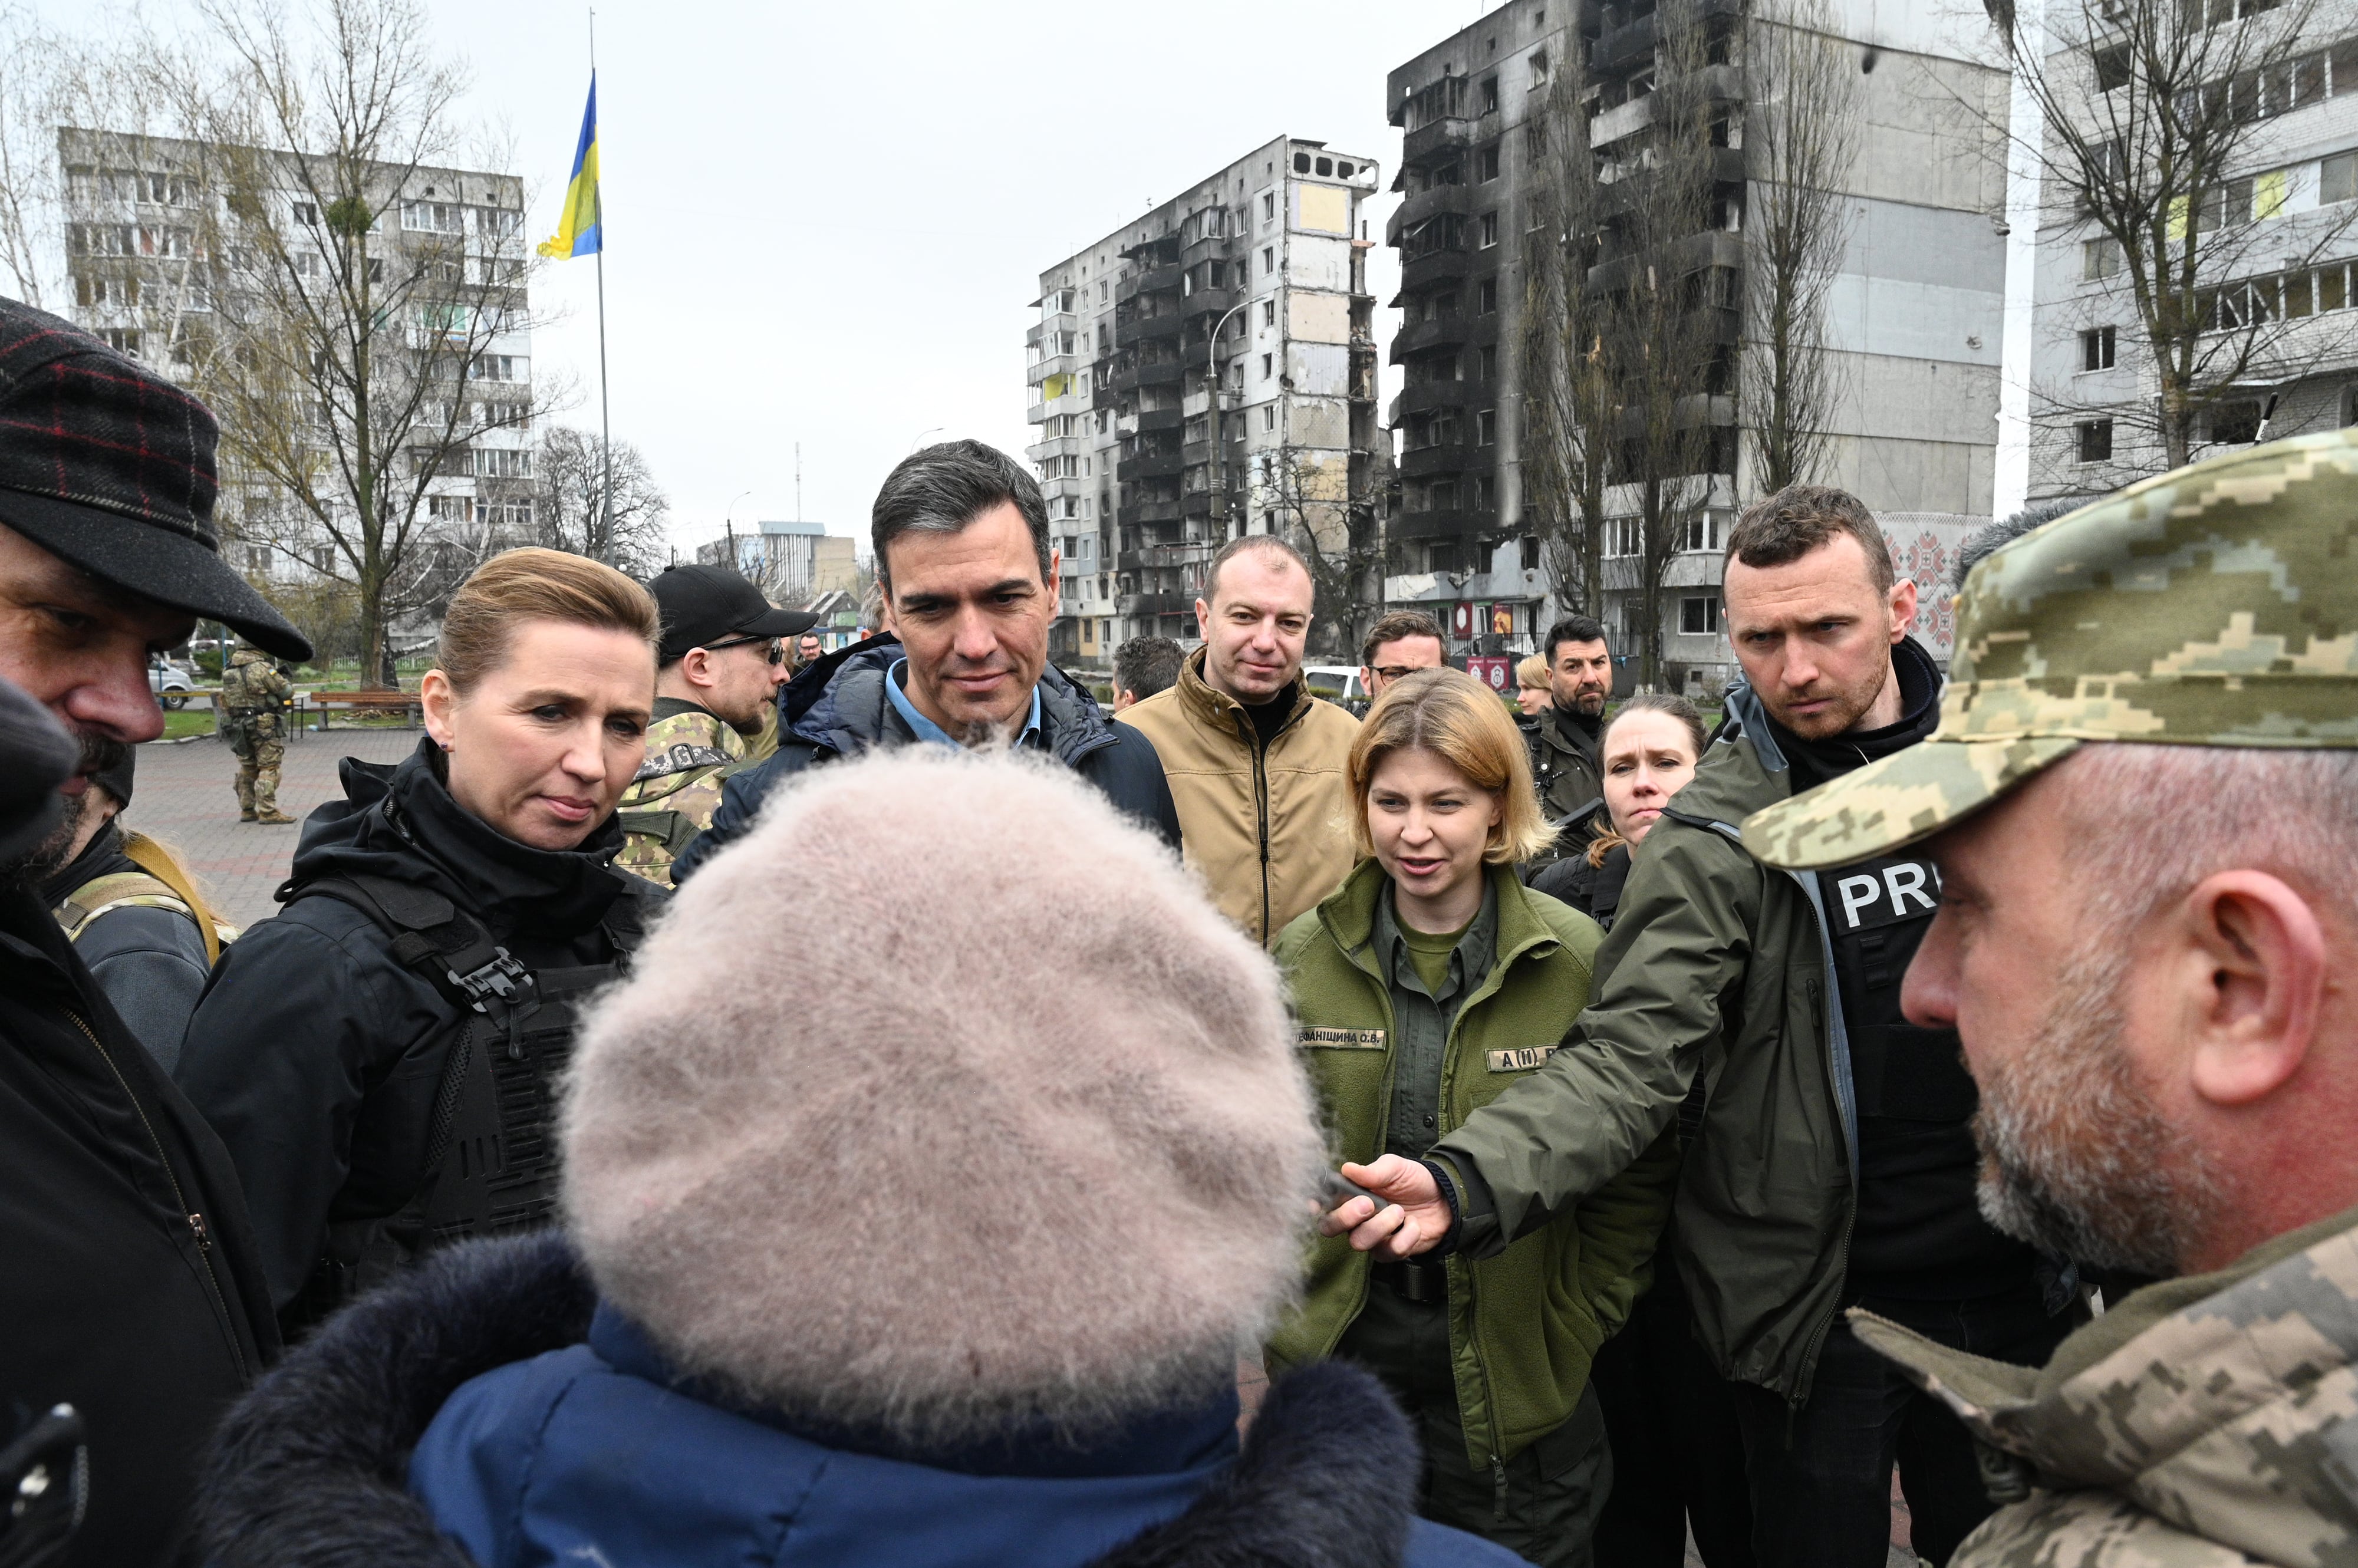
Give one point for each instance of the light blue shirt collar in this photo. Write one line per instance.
(925, 729)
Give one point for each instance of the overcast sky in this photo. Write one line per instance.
(826, 224)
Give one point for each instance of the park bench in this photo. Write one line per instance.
(361, 703)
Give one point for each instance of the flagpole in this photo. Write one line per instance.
(605, 414)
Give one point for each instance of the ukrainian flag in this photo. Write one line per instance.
(578, 224)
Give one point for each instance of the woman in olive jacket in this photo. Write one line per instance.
(1425, 985)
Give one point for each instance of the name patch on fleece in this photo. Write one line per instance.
(1520, 1059)
(1345, 1039)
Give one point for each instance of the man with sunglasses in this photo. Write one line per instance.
(722, 664)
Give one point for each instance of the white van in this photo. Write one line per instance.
(1340, 680)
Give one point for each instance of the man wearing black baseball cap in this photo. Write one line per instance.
(132, 1289)
(721, 664)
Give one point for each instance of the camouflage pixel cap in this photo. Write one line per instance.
(2215, 605)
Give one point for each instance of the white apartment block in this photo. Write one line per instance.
(2284, 269)
(791, 562)
(140, 221)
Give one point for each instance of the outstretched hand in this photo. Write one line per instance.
(1413, 1220)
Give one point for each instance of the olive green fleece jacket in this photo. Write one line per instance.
(1523, 1324)
(1717, 965)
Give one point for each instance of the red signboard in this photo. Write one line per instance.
(1492, 671)
(1461, 620)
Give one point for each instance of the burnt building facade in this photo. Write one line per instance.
(1206, 372)
(1911, 318)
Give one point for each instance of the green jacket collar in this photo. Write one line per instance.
(1482, 931)
(1349, 915)
(1565, 737)
(2147, 1396)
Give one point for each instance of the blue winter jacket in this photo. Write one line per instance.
(587, 1455)
(571, 1443)
(837, 707)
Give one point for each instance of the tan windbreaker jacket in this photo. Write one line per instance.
(1270, 835)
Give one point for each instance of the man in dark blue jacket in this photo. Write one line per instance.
(970, 582)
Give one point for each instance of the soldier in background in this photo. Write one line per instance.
(2142, 799)
(254, 696)
(721, 664)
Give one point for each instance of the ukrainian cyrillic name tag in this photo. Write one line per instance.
(1345, 1039)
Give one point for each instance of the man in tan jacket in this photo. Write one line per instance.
(1257, 765)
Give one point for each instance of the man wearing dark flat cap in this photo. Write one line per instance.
(131, 1288)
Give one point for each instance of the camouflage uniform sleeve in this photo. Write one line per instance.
(2096, 1528)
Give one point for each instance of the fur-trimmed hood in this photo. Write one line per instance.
(1013, 1133)
(551, 1452)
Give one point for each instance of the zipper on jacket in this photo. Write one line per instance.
(1822, 998)
(194, 1219)
(1260, 809)
(1490, 986)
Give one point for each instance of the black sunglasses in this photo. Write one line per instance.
(778, 648)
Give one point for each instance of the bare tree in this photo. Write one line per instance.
(1797, 140)
(1308, 492)
(338, 292)
(1572, 405)
(570, 512)
(33, 65)
(2155, 143)
(1666, 288)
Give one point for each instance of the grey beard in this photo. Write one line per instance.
(2076, 1159)
(98, 753)
(42, 862)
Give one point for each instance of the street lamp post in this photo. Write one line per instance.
(1212, 387)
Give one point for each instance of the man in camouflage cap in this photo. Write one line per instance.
(2143, 800)
(254, 696)
(721, 664)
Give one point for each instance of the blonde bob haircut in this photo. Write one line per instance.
(531, 584)
(1461, 721)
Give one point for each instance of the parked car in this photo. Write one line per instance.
(1339, 684)
(166, 677)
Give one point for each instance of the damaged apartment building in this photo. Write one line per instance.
(1911, 319)
(1205, 371)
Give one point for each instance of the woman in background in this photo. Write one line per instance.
(1647, 752)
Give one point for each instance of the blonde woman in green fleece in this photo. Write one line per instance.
(1423, 986)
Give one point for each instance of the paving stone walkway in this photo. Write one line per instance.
(182, 795)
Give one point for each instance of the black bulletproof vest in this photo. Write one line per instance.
(1877, 912)
(469, 1112)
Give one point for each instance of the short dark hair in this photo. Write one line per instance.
(944, 488)
(1574, 629)
(1265, 543)
(1144, 665)
(1983, 540)
(1401, 625)
(1779, 529)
